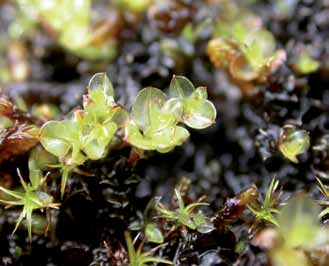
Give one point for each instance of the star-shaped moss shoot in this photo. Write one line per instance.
(31, 199)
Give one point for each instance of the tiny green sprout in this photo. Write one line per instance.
(31, 199)
(269, 207)
(293, 142)
(137, 258)
(155, 121)
(146, 223)
(325, 192)
(305, 64)
(185, 215)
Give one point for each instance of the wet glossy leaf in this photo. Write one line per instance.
(293, 142)
(58, 137)
(95, 143)
(180, 87)
(165, 140)
(135, 138)
(101, 82)
(199, 113)
(146, 110)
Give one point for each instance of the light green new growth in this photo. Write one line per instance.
(137, 258)
(88, 134)
(186, 215)
(156, 119)
(293, 142)
(269, 208)
(32, 198)
(154, 124)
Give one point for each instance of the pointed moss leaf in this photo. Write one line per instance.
(100, 81)
(146, 108)
(180, 87)
(153, 234)
(57, 136)
(199, 113)
(163, 141)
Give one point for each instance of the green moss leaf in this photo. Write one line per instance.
(101, 82)
(180, 87)
(199, 113)
(57, 137)
(147, 109)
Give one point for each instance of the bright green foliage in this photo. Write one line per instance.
(305, 64)
(293, 142)
(137, 258)
(198, 112)
(89, 133)
(186, 216)
(145, 223)
(32, 198)
(71, 20)
(155, 117)
(154, 124)
(269, 207)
